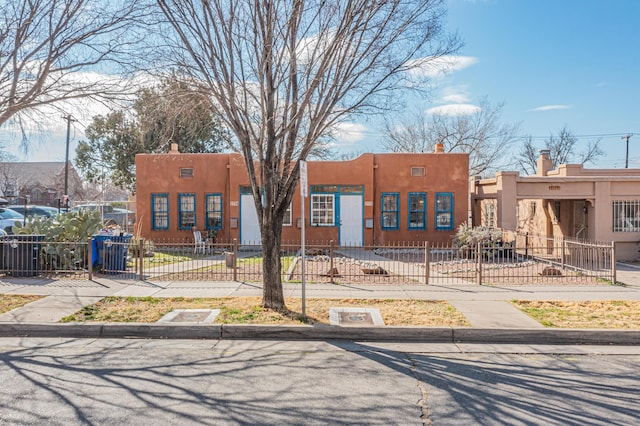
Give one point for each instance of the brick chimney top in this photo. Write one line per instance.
(439, 148)
(174, 149)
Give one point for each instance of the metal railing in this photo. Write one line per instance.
(517, 259)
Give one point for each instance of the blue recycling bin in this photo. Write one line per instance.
(110, 252)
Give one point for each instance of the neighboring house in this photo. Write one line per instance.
(38, 183)
(373, 199)
(571, 201)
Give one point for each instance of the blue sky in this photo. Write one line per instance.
(552, 62)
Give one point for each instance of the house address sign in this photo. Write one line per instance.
(554, 187)
(234, 203)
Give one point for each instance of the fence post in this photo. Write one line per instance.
(427, 259)
(613, 262)
(235, 259)
(562, 247)
(141, 258)
(90, 254)
(331, 261)
(479, 263)
(526, 244)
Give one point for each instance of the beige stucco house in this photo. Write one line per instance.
(570, 201)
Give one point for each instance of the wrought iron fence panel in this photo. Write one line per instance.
(515, 260)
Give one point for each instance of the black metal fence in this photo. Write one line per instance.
(517, 259)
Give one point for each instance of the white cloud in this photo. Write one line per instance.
(349, 132)
(551, 107)
(432, 67)
(454, 109)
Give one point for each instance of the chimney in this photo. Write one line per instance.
(439, 148)
(544, 164)
(174, 149)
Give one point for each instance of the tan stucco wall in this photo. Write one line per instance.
(596, 189)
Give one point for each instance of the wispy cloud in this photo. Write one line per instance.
(432, 67)
(349, 132)
(454, 109)
(551, 107)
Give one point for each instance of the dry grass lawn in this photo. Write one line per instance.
(602, 314)
(247, 310)
(12, 301)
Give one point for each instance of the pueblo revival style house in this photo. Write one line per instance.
(568, 202)
(373, 199)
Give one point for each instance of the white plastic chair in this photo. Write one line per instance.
(199, 243)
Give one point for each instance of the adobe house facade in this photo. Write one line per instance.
(570, 201)
(373, 199)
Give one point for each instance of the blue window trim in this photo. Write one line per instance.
(180, 211)
(339, 190)
(154, 225)
(396, 211)
(207, 211)
(438, 210)
(422, 195)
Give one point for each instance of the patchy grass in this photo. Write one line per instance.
(247, 310)
(615, 314)
(13, 301)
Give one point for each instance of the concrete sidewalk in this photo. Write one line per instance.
(485, 307)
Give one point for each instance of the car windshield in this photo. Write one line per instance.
(9, 214)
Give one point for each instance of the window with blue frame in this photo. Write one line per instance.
(159, 211)
(186, 211)
(390, 210)
(213, 211)
(417, 210)
(444, 211)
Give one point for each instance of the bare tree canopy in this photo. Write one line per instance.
(281, 73)
(50, 48)
(479, 134)
(562, 150)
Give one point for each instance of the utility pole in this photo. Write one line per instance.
(626, 160)
(66, 162)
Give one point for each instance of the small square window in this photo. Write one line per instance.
(417, 171)
(186, 172)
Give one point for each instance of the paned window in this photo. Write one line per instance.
(444, 211)
(288, 220)
(390, 210)
(159, 211)
(417, 210)
(186, 211)
(214, 211)
(322, 209)
(626, 216)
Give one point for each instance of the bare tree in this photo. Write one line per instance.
(478, 134)
(51, 49)
(282, 73)
(562, 150)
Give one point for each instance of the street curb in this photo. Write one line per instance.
(303, 332)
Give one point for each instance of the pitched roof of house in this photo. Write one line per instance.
(41, 174)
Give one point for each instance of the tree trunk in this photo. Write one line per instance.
(272, 294)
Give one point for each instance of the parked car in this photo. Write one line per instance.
(110, 216)
(31, 210)
(131, 216)
(8, 219)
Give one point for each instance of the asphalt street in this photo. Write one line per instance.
(117, 381)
